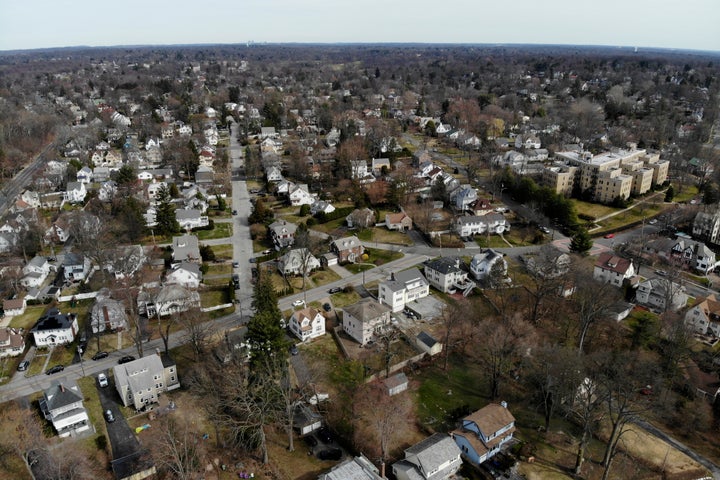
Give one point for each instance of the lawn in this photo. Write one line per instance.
(210, 298)
(223, 252)
(628, 217)
(330, 227)
(28, 319)
(343, 299)
(688, 193)
(219, 269)
(492, 241)
(221, 230)
(383, 235)
(594, 210)
(381, 257)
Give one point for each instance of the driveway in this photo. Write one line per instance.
(122, 438)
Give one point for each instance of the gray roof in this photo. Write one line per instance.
(185, 247)
(400, 279)
(426, 339)
(139, 373)
(358, 468)
(61, 394)
(366, 309)
(434, 451)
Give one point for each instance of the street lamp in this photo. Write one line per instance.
(80, 354)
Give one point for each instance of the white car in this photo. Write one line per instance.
(102, 380)
(298, 303)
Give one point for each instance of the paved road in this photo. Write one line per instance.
(14, 187)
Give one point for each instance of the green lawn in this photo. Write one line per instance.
(383, 235)
(210, 298)
(223, 252)
(357, 268)
(687, 194)
(221, 230)
(343, 299)
(219, 269)
(28, 319)
(594, 210)
(381, 257)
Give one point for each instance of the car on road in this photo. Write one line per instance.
(254, 190)
(662, 273)
(23, 366)
(610, 235)
(335, 290)
(100, 355)
(234, 212)
(294, 350)
(298, 303)
(327, 307)
(102, 380)
(126, 359)
(236, 264)
(55, 369)
(109, 417)
(653, 221)
(544, 229)
(266, 252)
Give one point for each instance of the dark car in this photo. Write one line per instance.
(55, 369)
(100, 355)
(330, 454)
(324, 435)
(234, 212)
(335, 290)
(327, 307)
(126, 359)
(23, 366)
(294, 350)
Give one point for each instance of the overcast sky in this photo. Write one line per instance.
(685, 24)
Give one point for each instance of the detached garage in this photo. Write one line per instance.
(428, 344)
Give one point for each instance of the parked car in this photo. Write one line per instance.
(266, 252)
(294, 350)
(544, 229)
(335, 290)
(102, 380)
(23, 366)
(109, 416)
(324, 435)
(236, 264)
(653, 221)
(327, 307)
(126, 359)
(330, 454)
(610, 235)
(298, 303)
(234, 212)
(55, 369)
(662, 273)
(100, 355)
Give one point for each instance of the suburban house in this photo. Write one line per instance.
(446, 275)
(107, 313)
(186, 248)
(378, 164)
(360, 218)
(398, 221)
(35, 272)
(693, 254)
(706, 226)
(549, 263)
(76, 267)
(75, 192)
(12, 342)
(168, 300)
(299, 195)
(347, 249)
(610, 268)
(482, 264)
(141, 381)
(54, 328)
(191, 218)
(273, 174)
(282, 233)
(14, 306)
(364, 318)
(704, 316)
(464, 198)
(396, 384)
(469, 225)
(321, 206)
(62, 405)
(357, 468)
(307, 324)
(483, 433)
(402, 288)
(297, 260)
(434, 458)
(126, 260)
(305, 419)
(185, 274)
(661, 294)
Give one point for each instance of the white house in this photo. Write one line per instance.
(273, 174)
(191, 218)
(483, 433)
(141, 381)
(704, 316)
(297, 260)
(469, 225)
(186, 248)
(186, 274)
(62, 405)
(321, 206)
(168, 300)
(107, 313)
(299, 195)
(365, 318)
(402, 288)
(307, 324)
(482, 264)
(54, 328)
(35, 272)
(76, 267)
(446, 275)
(75, 192)
(661, 294)
(12, 342)
(613, 269)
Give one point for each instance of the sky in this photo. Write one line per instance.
(686, 24)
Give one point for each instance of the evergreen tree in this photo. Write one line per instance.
(167, 224)
(581, 242)
(669, 194)
(264, 334)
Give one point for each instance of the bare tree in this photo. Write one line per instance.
(592, 301)
(177, 450)
(198, 330)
